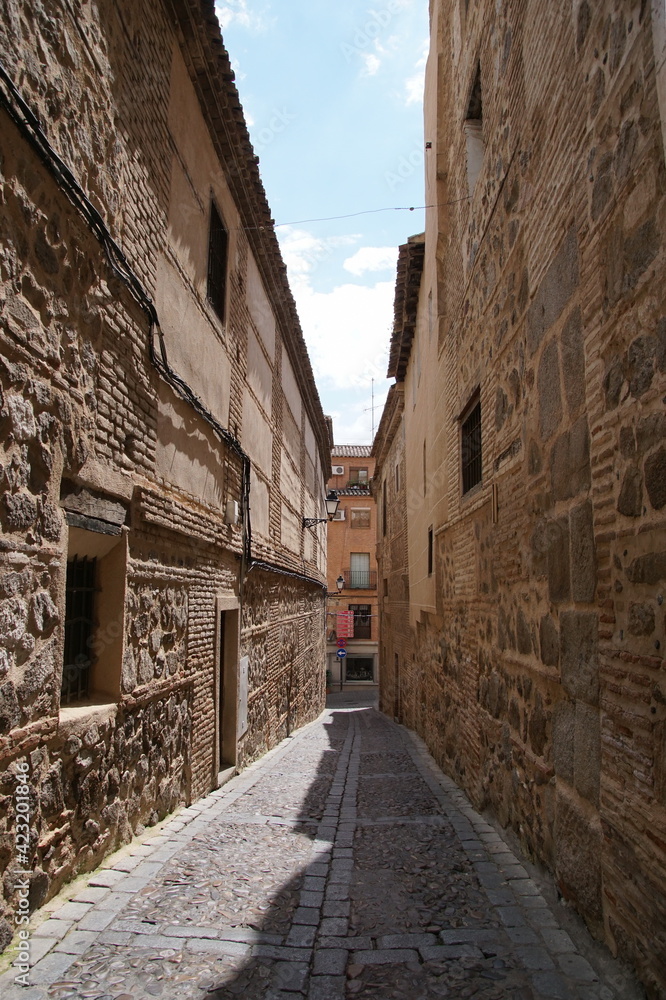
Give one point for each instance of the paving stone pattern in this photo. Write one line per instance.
(343, 864)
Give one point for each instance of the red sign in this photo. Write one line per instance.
(345, 624)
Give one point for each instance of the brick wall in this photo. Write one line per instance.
(92, 432)
(540, 656)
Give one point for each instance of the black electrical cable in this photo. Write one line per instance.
(30, 127)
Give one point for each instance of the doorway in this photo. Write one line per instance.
(227, 686)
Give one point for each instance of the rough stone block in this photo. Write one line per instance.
(559, 574)
(556, 288)
(548, 388)
(549, 641)
(583, 553)
(563, 740)
(578, 655)
(578, 842)
(570, 461)
(573, 361)
(587, 751)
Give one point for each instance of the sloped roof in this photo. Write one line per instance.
(210, 70)
(407, 284)
(351, 451)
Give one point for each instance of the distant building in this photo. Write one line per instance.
(351, 559)
(529, 352)
(161, 602)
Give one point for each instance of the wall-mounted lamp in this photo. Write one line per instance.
(332, 503)
(340, 583)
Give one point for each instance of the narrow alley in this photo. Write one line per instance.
(342, 864)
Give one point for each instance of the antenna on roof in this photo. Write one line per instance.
(372, 409)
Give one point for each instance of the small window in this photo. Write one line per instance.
(217, 262)
(385, 587)
(430, 550)
(384, 507)
(473, 129)
(360, 517)
(358, 477)
(79, 628)
(471, 446)
(362, 621)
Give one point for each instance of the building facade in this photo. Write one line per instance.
(532, 370)
(162, 606)
(352, 615)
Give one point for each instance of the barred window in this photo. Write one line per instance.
(471, 446)
(217, 262)
(79, 627)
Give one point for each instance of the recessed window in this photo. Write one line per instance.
(360, 517)
(362, 621)
(359, 570)
(384, 508)
(470, 443)
(218, 241)
(473, 129)
(79, 628)
(430, 550)
(358, 477)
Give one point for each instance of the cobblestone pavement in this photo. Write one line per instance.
(343, 864)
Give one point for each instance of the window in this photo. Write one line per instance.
(360, 668)
(430, 550)
(471, 445)
(94, 597)
(384, 507)
(359, 570)
(362, 621)
(425, 478)
(79, 628)
(360, 517)
(473, 129)
(358, 477)
(217, 262)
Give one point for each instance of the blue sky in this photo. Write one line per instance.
(332, 93)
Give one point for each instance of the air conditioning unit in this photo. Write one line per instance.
(339, 514)
(338, 470)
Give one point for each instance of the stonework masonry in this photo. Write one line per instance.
(533, 666)
(140, 446)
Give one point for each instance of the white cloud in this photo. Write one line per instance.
(371, 259)
(347, 329)
(371, 63)
(414, 84)
(240, 12)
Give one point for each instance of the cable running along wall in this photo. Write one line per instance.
(29, 126)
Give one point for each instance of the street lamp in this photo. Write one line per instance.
(332, 503)
(340, 583)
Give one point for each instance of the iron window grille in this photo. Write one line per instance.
(217, 262)
(79, 628)
(362, 621)
(471, 448)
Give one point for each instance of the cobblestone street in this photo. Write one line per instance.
(343, 864)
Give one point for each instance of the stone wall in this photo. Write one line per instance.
(540, 653)
(94, 444)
